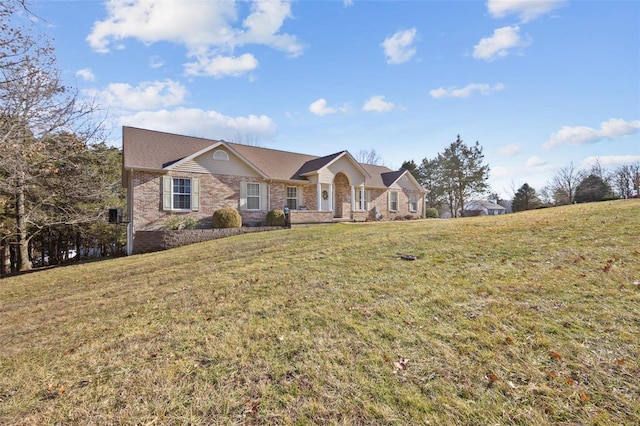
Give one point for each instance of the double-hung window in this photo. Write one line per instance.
(360, 205)
(413, 202)
(292, 197)
(180, 193)
(393, 201)
(253, 196)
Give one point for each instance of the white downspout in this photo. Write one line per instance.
(130, 227)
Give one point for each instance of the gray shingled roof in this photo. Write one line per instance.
(152, 150)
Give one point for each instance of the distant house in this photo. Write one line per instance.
(484, 208)
(167, 175)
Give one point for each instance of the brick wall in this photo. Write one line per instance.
(149, 241)
(218, 191)
(310, 216)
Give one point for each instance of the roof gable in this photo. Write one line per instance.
(178, 163)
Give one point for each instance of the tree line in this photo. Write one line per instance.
(458, 175)
(57, 176)
(572, 185)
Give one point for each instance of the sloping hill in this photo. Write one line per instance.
(530, 318)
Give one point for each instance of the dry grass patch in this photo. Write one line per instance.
(529, 318)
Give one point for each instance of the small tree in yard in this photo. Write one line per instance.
(592, 188)
(525, 198)
(461, 174)
(563, 184)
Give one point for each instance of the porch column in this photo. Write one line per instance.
(353, 198)
(363, 201)
(319, 196)
(330, 197)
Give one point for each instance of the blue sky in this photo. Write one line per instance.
(538, 84)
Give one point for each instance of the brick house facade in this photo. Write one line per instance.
(169, 175)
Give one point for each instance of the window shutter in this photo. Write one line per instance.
(389, 200)
(195, 194)
(263, 196)
(166, 192)
(243, 195)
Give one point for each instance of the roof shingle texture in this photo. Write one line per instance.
(152, 150)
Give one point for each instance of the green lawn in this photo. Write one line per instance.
(531, 318)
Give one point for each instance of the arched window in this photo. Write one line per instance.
(221, 155)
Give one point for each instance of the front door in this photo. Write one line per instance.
(325, 201)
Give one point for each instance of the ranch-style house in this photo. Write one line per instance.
(167, 174)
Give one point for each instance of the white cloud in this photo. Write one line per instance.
(535, 161)
(156, 61)
(500, 44)
(197, 122)
(220, 66)
(147, 95)
(399, 47)
(582, 135)
(86, 74)
(510, 150)
(202, 23)
(321, 108)
(263, 24)
(347, 3)
(378, 104)
(610, 161)
(526, 10)
(205, 28)
(465, 92)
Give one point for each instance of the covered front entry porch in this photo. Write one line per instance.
(338, 201)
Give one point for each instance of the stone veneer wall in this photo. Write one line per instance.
(310, 216)
(149, 241)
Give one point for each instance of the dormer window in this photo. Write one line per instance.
(220, 155)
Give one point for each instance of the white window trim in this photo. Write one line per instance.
(413, 205)
(253, 196)
(397, 207)
(296, 198)
(220, 155)
(262, 197)
(367, 199)
(167, 194)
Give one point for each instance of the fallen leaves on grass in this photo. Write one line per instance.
(492, 378)
(555, 355)
(401, 364)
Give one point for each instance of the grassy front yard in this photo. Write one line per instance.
(531, 318)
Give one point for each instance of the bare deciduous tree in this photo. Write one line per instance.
(250, 139)
(564, 183)
(369, 157)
